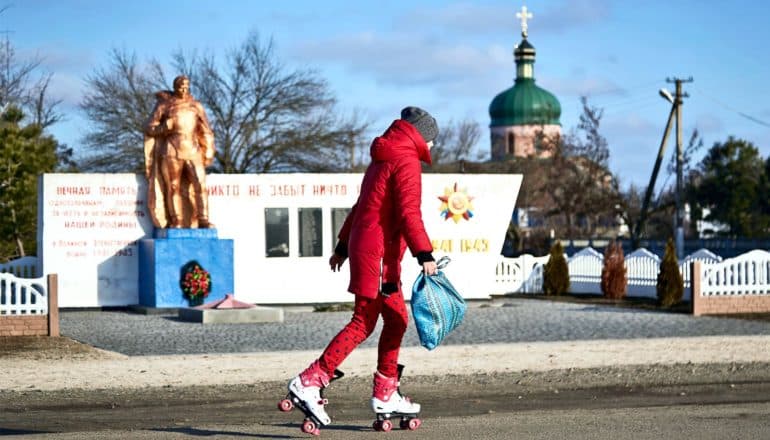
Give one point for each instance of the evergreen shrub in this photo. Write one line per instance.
(556, 272)
(614, 274)
(670, 287)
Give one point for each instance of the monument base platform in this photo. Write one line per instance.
(232, 316)
(161, 262)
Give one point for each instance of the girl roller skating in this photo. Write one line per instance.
(385, 220)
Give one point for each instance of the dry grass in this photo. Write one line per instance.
(47, 348)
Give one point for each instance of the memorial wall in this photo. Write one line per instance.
(284, 229)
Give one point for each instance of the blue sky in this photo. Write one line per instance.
(450, 57)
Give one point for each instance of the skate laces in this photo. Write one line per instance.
(398, 390)
(403, 397)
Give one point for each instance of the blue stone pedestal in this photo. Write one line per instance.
(161, 260)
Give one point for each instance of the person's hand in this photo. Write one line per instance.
(335, 261)
(429, 268)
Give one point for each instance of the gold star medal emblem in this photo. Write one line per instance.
(456, 204)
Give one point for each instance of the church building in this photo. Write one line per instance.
(524, 117)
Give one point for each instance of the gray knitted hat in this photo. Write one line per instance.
(422, 121)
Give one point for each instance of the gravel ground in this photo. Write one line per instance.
(509, 320)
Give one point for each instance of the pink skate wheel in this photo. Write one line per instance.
(376, 425)
(309, 427)
(285, 405)
(386, 426)
(414, 424)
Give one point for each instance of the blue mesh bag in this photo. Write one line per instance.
(437, 308)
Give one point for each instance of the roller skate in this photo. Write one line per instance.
(388, 403)
(306, 393)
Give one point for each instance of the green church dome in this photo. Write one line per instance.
(525, 104)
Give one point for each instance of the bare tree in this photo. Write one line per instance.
(117, 101)
(658, 219)
(583, 192)
(22, 85)
(630, 205)
(455, 142)
(265, 117)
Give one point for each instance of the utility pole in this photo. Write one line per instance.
(637, 236)
(679, 159)
(675, 114)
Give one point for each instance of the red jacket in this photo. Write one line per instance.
(387, 218)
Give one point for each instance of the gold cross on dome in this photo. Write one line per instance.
(523, 16)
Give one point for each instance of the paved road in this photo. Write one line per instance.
(509, 320)
(712, 422)
(727, 400)
(455, 407)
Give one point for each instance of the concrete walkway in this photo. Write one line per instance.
(120, 371)
(514, 335)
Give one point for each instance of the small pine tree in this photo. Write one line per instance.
(556, 272)
(614, 279)
(670, 287)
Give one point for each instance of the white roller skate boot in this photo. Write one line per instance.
(387, 403)
(306, 393)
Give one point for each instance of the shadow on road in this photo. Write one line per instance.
(196, 432)
(4, 431)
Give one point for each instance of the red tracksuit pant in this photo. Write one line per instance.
(365, 314)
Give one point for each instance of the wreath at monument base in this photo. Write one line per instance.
(195, 282)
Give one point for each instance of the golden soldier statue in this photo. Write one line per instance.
(178, 145)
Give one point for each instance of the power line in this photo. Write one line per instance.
(614, 111)
(640, 86)
(630, 101)
(728, 107)
(629, 95)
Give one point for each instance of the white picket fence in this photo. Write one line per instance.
(22, 287)
(23, 296)
(642, 267)
(524, 274)
(747, 274)
(585, 271)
